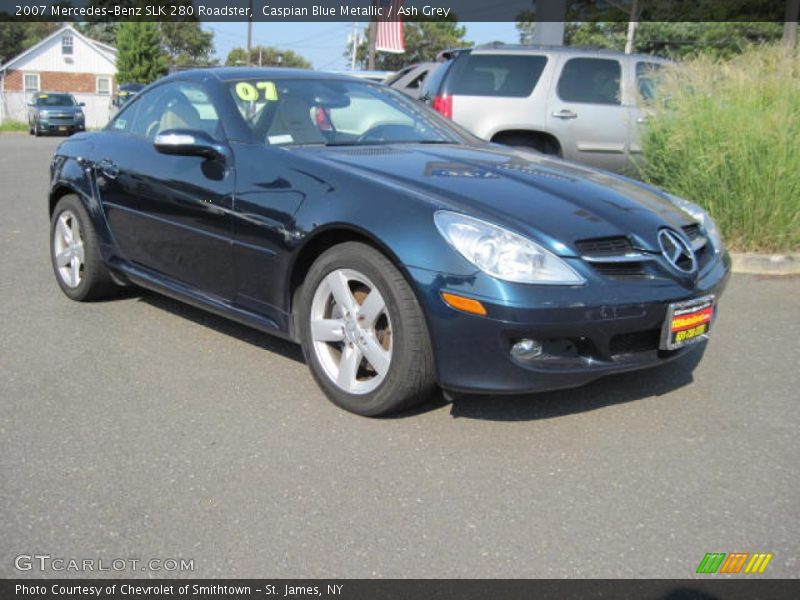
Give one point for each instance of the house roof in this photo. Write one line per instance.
(103, 49)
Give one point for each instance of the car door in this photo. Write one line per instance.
(170, 215)
(586, 113)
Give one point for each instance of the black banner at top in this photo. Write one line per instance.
(407, 10)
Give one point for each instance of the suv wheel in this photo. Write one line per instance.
(363, 332)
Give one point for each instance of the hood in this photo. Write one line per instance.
(550, 200)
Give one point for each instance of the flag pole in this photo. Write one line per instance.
(371, 40)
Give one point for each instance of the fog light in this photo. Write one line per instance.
(526, 349)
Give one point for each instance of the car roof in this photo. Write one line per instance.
(503, 48)
(233, 73)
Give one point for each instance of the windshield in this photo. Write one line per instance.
(293, 112)
(124, 97)
(55, 100)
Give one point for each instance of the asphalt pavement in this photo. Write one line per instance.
(143, 428)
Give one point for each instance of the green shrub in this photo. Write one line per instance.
(726, 134)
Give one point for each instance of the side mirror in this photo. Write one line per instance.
(188, 142)
(81, 103)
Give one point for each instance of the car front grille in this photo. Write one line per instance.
(625, 269)
(692, 231)
(608, 246)
(637, 341)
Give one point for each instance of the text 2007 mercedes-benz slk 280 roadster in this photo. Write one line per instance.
(400, 251)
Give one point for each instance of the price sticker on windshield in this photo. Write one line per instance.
(255, 91)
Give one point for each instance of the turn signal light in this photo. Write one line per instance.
(467, 305)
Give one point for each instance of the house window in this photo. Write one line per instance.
(104, 86)
(32, 82)
(67, 45)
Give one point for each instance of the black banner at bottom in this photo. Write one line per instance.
(399, 589)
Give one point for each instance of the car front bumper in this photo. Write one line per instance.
(61, 126)
(586, 331)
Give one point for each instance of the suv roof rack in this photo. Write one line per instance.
(504, 46)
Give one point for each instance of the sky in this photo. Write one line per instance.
(324, 43)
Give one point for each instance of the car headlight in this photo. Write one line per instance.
(43, 114)
(501, 253)
(700, 215)
(80, 116)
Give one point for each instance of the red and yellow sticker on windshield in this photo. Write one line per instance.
(253, 91)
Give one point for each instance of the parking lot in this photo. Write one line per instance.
(144, 428)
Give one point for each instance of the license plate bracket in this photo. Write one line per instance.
(687, 322)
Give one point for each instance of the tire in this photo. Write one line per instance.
(93, 278)
(397, 337)
(36, 131)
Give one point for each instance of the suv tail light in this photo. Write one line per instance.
(444, 105)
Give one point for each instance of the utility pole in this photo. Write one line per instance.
(632, 23)
(549, 30)
(371, 32)
(354, 40)
(249, 32)
(790, 24)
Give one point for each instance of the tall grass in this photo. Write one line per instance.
(726, 134)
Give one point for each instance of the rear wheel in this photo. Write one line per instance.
(75, 254)
(363, 332)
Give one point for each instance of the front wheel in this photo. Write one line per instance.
(75, 253)
(363, 332)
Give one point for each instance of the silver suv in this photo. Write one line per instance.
(584, 105)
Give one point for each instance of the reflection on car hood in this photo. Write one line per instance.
(532, 193)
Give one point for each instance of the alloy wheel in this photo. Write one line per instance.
(68, 248)
(351, 331)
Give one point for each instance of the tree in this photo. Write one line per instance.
(675, 40)
(139, 55)
(101, 31)
(423, 41)
(18, 36)
(267, 56)
(182, 39)
(186, 43)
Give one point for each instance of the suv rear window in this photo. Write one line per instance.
(590, 80)
(508, 75)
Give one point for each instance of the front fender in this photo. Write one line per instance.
(75, 175)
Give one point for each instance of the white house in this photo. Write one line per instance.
(65, 61)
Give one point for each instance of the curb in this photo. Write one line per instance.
(766, 264)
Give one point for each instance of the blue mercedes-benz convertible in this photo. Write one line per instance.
(401, 252)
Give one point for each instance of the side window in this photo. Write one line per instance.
(647, 79)
(417, 82)
(433, 81)
(590, 80)
(504, 75)
(176, 105)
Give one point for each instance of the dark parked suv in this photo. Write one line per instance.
(584, 105)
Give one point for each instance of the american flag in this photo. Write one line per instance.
(389, 36)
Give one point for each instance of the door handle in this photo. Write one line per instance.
(108, 168)
(565, 114)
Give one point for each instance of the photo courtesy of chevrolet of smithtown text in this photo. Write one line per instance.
(414, 299)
